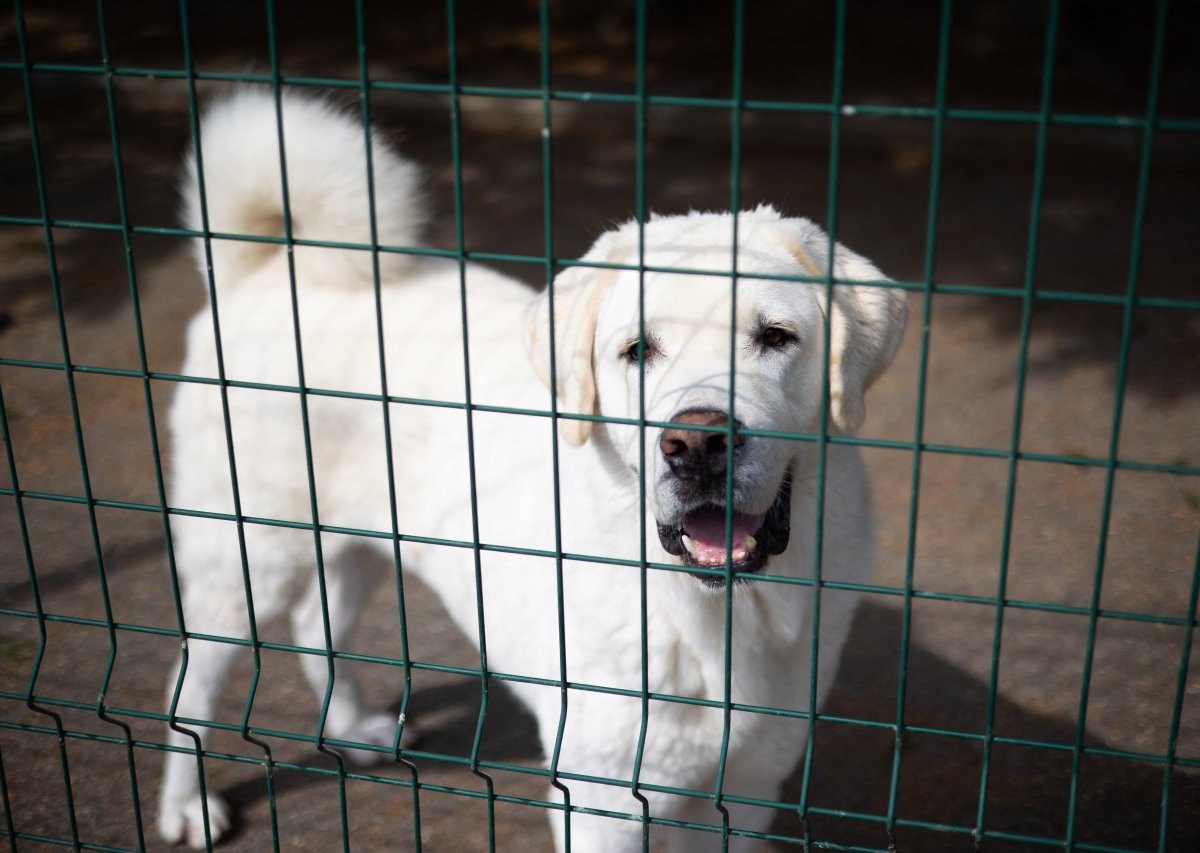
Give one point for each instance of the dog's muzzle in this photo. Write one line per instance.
(708, 536)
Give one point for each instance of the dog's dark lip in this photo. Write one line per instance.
(771, 538)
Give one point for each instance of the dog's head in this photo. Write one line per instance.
(687, 349)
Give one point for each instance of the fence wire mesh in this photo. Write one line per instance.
(1084, 737)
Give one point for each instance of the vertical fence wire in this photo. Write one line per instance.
(640, 214)
(364, 95)
(40, 614)
(84, 468)
(48, 236)
(318, 549)
(235, 490)
(931, 233)
(1181, 684)
(9, 827)
(1122, 376)
(461, 257)
(545, 75)
(735, 206)
(822, 438)
(135, 303)
(1037, 193)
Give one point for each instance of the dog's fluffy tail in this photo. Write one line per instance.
(327, 181)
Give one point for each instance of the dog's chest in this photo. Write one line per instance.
(765, 652)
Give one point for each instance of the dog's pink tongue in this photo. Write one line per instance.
(707, 530)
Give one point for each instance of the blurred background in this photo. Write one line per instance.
(997, 228)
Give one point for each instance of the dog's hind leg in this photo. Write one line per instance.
(347, 717)
(610, 833)
(743, 818)
(209, 562)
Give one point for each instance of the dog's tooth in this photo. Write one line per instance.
(689, 543)
(751, 544)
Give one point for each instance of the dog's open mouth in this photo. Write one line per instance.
(700, 537)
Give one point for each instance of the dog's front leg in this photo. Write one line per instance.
(180, 806)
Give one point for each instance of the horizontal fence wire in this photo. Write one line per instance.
(546, 96)
(1082, 297)
(1079, 459)
(1131, 122)
(140, 714)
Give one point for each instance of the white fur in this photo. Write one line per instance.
(600, 511)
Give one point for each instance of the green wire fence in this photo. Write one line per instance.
(118, 730)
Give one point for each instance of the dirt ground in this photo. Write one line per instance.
(1084, 242)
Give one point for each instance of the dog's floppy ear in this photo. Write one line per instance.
(866, 323)
(578, 293)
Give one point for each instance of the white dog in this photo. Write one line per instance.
(686, 323)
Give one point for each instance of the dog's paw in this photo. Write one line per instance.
(376, 730)
(186, 824)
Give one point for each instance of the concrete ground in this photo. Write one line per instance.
(1084, 242)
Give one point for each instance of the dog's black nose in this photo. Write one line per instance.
(694, 454)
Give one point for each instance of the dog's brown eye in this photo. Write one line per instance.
(776, 337)
(629, 352)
